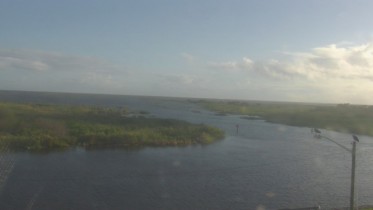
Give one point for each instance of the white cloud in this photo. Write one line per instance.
(188, 57)
(181, 79)
(98, 80)
(332, 61)
(55, 71)
(229, 65)
(235, 66)
(333, 73)
(7, 62)
(35, 60)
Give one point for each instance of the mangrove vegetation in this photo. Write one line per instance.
(41, 127)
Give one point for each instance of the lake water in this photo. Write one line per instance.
(264, 166)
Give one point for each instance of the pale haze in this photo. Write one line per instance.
(283, 50)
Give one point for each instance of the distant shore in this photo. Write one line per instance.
(42, 127)
(347, 118)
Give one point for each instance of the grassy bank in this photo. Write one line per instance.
(39, 127)
(346, 118)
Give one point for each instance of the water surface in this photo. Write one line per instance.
(263, 165)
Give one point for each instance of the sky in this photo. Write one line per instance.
(273, 50)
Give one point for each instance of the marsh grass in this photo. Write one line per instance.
(40, 127)
(346, 118)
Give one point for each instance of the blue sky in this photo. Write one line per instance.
(283, 50)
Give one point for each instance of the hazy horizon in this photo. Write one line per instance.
(176, 97)
(297, 51)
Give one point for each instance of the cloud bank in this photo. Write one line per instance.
(320, 63)
(333, 73)
(336, 73)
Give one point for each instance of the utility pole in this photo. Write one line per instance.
(315, 131)
(352, 194)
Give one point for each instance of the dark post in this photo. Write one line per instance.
(352, 195)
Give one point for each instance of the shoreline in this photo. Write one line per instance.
(345, 118)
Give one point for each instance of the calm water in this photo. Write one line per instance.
(265, 165)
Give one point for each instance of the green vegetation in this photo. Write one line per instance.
(343, 117)
(38, 127)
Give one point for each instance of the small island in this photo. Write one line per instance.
(43, 127)
(347, 118)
